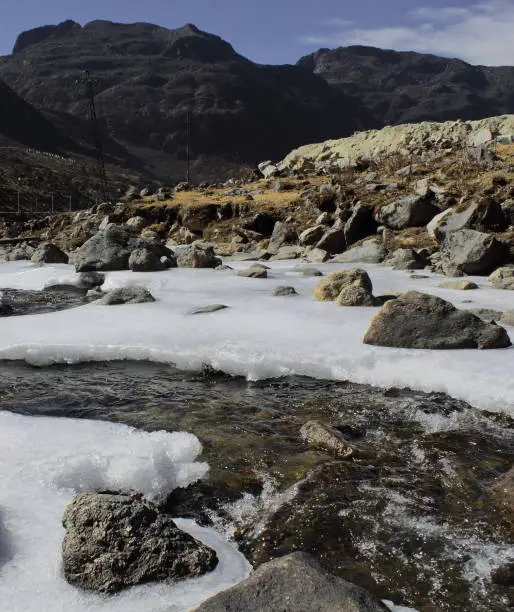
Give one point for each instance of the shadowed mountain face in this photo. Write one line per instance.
(149, 78)
(400, 87)
(22, 124)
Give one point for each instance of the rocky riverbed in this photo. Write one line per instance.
(407, 515)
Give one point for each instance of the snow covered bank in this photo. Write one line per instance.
(259, 336)
(43, 461)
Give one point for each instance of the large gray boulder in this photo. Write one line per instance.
(49, 253)
(422, 321)
(360, 224)
(114, 541)
(108, 249)
(151, 257)
(332, 241)
(294, 583)
(368, 251)
(485, 214)
(312, 235)
(471, 252)
(17, 254)
(282, 235)
(406, 259)
(410, 211)
(197, 255)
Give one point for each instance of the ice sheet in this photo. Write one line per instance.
(259, 335)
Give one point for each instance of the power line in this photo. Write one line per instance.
(89, 83)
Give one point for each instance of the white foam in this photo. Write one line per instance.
(259, 336)
(43, 461)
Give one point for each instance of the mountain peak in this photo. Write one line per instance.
(37, 35)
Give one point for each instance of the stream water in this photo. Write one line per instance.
(407, 517)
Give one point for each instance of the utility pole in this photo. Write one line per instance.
(188, 148)
(89, 83)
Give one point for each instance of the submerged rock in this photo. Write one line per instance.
(126, 295)
(460, 285)
(422, 321)
(294, 583)
(114, 541)
(209, 308)
(256, 271)
(284, 290)
(323, 436)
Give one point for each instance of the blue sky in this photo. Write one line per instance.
(281, 31)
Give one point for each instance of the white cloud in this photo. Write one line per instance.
(480, 34)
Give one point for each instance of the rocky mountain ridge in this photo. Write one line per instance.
(151, 81)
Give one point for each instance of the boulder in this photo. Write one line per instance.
(332, 241)
(137, 223)
(471, 252)
(126, 295)
(287, 252)
(197, 255)
(329, 287)
(502, 278)
(360, 225)
(485, 214)
(316, 256)
(268, 169)
(368, 251)
(282, 235)
(255, 271)
(409, 211)
(319, 435)
(352, 295)
(312, 235)
(151, 257)
(284, 291)
(422, 321)
(108, 249)
(114, 541)
(50, 254)
(294, 583)
(308, 272)
(405, 259)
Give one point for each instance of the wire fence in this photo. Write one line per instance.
(22, 204)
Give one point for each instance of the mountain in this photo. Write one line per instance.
(407, 87)
(150, 80)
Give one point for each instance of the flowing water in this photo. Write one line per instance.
(407, 517)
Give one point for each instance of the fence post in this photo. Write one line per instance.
(52, 200)
(69, 203)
